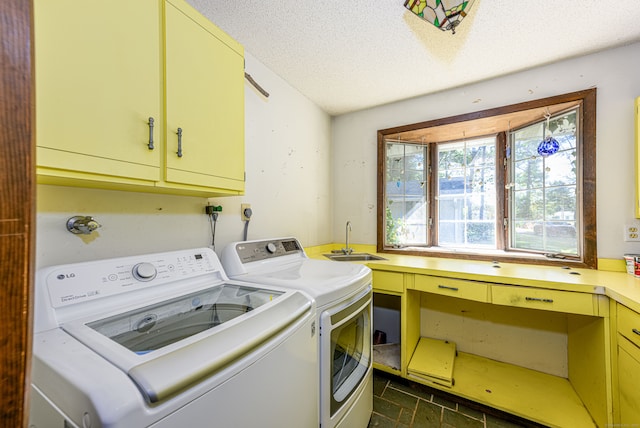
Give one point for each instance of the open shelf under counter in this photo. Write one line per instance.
(533, 395)
(386, 326)
(386, 357)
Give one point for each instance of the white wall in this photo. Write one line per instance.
(613, 72)
(288, 186)
(307, 173)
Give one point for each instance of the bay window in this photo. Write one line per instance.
(516, 183)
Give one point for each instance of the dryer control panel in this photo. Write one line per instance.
(253, 251)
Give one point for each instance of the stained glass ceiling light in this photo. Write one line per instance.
(444, 14)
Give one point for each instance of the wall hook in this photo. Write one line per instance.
(82, 225)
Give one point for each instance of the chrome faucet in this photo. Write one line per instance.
(347, 250)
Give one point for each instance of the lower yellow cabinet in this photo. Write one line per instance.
(388, 281)
(463, 289)
(628, 366)
(548, 300)
(628, 384)
(540, 354)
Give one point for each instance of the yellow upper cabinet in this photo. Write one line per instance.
(636, 120)
(205, 101)
(97, 84)
(104, 69)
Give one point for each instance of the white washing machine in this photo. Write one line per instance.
(342, 292)
(167, 340)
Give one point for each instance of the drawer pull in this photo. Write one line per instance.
(538, 299)
(446, 287)
(636, 331)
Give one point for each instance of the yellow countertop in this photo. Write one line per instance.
(620, 286)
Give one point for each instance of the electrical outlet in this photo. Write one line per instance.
(212, 209)
(243, 212)
(632, 233)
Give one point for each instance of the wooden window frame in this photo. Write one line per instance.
(494, 119)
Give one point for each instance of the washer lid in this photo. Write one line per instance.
(153, 327)
(325, 281)
(192, 337)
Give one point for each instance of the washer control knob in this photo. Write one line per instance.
(271, 248)
(144, 271)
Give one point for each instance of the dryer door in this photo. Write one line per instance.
(349, 350)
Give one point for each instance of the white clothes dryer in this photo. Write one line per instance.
(167, 340)
(342, 292)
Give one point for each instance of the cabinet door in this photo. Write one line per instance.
(97, 83)
(636, 120)
(205, 99)
(629, 379)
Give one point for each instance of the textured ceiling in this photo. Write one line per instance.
(350, 55)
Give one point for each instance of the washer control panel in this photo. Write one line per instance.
(254, 251)
(74, 283)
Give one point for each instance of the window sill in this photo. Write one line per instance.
(488, 255)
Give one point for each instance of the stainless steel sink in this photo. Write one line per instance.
(353, 257)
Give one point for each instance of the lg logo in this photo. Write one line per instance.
(67, 275)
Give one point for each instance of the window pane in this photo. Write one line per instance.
(481, 233)
(544, 190)
(528, 140)
(467, 193)
(528, 205)
(406, 190)
(529, 173)
(450, 233)
(560, 169)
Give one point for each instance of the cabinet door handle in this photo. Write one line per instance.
(636, 331)
(538, 299)
(150, 145)
(446, 287)
(179, 152)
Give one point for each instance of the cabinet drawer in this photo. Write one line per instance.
(470, 290)
(629, 324)
(388, 281)
(549, 300)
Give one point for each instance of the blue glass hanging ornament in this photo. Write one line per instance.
(549, 145)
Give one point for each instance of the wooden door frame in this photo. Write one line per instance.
(17, 208)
